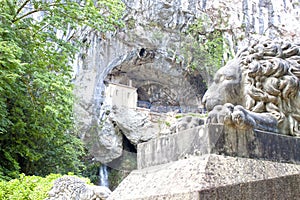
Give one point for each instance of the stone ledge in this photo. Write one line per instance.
(281, 188)
(218, 139)
(212, 177)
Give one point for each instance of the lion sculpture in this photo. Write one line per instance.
(258, 89)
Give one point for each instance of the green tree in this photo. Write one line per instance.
(37, 43)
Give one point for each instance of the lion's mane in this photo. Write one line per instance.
(271, 72)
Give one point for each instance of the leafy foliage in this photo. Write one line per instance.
(27, 187)
(91, 170)
(37, 43)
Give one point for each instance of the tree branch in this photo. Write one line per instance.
(33, 11)
(27, 14)
(21, 7)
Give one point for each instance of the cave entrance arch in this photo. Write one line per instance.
(161, 85)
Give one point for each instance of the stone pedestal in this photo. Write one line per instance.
(213, 162)
(218, 139)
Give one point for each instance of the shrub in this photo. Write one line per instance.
(27, 187)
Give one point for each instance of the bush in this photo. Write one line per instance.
(27, 187)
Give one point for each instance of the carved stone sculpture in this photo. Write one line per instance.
(186, 122)
(258, 89)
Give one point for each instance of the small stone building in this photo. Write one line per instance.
(121, 95)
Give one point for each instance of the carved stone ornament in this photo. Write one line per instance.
(258, 89)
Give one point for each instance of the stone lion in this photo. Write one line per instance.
(258, 89)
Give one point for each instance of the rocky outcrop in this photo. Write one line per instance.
(135, 125)
(107, 141)
(74, 188)
(104, 141)
(122, 125)
(148, 51)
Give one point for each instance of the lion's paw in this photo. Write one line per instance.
(221, 114)
(242, 118)
(238, 118)
(228, 114)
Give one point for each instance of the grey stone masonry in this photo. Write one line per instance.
(212, 177)
(218, 139)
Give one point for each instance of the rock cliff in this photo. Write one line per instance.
(148, 52)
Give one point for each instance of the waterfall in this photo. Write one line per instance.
(103, 176)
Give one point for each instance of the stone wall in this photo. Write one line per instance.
(219, 139)
(120, 95)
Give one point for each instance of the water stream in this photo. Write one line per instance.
(103, 176)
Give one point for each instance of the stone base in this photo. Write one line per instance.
(212, 177)
(218, 139)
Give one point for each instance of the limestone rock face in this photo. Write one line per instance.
(105, 143)
(74, 188)
(148, 52)
(135, 125)
(238, 19)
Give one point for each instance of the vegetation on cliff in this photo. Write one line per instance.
(38, 39)
(205, 48)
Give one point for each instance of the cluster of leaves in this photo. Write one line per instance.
(27, 187)
(37, 43)
(91, 170)
(204, 47)
(30, 187)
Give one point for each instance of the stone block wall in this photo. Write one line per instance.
(218, 139)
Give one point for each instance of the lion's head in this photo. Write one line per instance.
(263, 78)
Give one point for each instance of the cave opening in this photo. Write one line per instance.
(128, 160)
(160, 86)
(142, 52)
(128, 146)
(157, 98)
